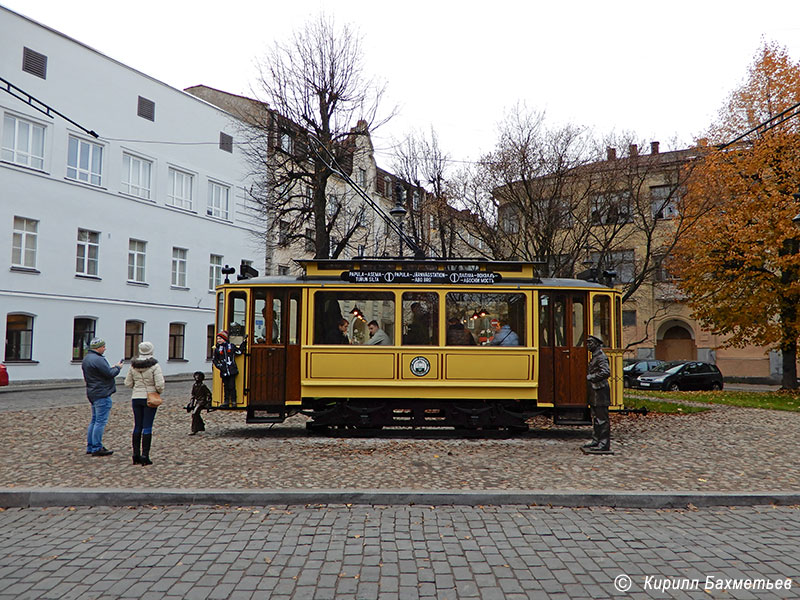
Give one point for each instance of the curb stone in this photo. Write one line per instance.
(52, 497)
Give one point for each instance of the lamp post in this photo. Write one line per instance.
(398, 213)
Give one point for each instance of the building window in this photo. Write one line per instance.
(310, 240)
(362, 178)
(387, 187)
(88, 252)
(136, 176)
(179, 267)
(19, 337)
(211, 341)
(176, 335)
(628, 318)
(214, 272)
(146, 109)
(134, 334)
(285, 141)
(611, 209)
(84, 161)
(283, 270)
(283, 233)
(218, 197)
(623, 262)
(661, 272)
(333, 204)
(225, 142)
(136, 260)
(23, 246)
(82, 333)
(23, 142)
(180, 189)
(34, 63)
(664, 201)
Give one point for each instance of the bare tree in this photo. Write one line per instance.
(313, 84)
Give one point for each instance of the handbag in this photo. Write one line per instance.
(154, 399)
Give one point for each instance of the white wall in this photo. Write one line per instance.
(101, 94)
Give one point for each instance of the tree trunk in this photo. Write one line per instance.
(789, 356)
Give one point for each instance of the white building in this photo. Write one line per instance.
(122, 236)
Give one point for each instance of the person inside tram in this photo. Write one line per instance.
(339, 334)
(377, 336)
(417, 333)
(503, 335)
(276, 328)
(457, 334)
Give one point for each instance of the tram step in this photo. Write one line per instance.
(264, 416)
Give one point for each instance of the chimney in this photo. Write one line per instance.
(633, 150)
(653, 147)
(611, 153)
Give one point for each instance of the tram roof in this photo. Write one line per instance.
(399, 272)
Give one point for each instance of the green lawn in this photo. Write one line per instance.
(770, 400)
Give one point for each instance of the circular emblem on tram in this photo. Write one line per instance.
(454, 277)
(388, 277)
(420, 366)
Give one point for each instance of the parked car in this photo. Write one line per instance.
(681, 375)
(3, 374)
(635, 367)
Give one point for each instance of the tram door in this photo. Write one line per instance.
(563, 357)
(274, 369)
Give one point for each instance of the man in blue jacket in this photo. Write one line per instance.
(100, 384)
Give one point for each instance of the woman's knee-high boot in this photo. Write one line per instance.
(136, 442)
(146, 439)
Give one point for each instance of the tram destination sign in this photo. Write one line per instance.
(429, 277)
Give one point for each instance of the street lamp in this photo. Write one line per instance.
(399, 213)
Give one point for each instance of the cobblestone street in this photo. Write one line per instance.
(389, 552)
(725, 449)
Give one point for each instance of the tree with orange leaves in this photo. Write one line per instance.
(741, 271)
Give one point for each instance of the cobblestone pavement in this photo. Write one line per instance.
(388, 552)
(722, 450)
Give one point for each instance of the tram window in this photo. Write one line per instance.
(578, 322)
(267, 322)
(294, 308)
(237, 317)
(601, 317)
(544, 320)
(483, 316)
(220, 312)
(420, 319)
(559, 321)
(358, 309)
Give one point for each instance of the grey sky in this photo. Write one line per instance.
(661, 70)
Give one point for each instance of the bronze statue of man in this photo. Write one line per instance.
(598, 373)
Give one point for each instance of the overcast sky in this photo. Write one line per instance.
(659, 69)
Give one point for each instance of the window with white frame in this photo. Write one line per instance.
(362, 178)
(179, 267)
(88, 253)
(19, 337)
(176, 337)
(136, 260)
(218, 200)
(333, 204)
(23, 142)
(664, 201)
(23, 245)
(136, 174)
(214, 272)
(83, 331)
(180, 189)
(84, 161)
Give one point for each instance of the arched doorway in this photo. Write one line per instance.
(675, 342)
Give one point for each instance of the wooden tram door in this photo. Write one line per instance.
(563, 358)
(274, 370)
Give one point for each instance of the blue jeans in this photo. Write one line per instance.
(101, 408)
(143, 416)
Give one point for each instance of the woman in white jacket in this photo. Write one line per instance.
(144, 376)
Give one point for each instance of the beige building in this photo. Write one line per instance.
(624, 213)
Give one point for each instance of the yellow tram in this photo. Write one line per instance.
(440, 359)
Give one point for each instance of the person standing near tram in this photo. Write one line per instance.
(598, 373)
(224, 359)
